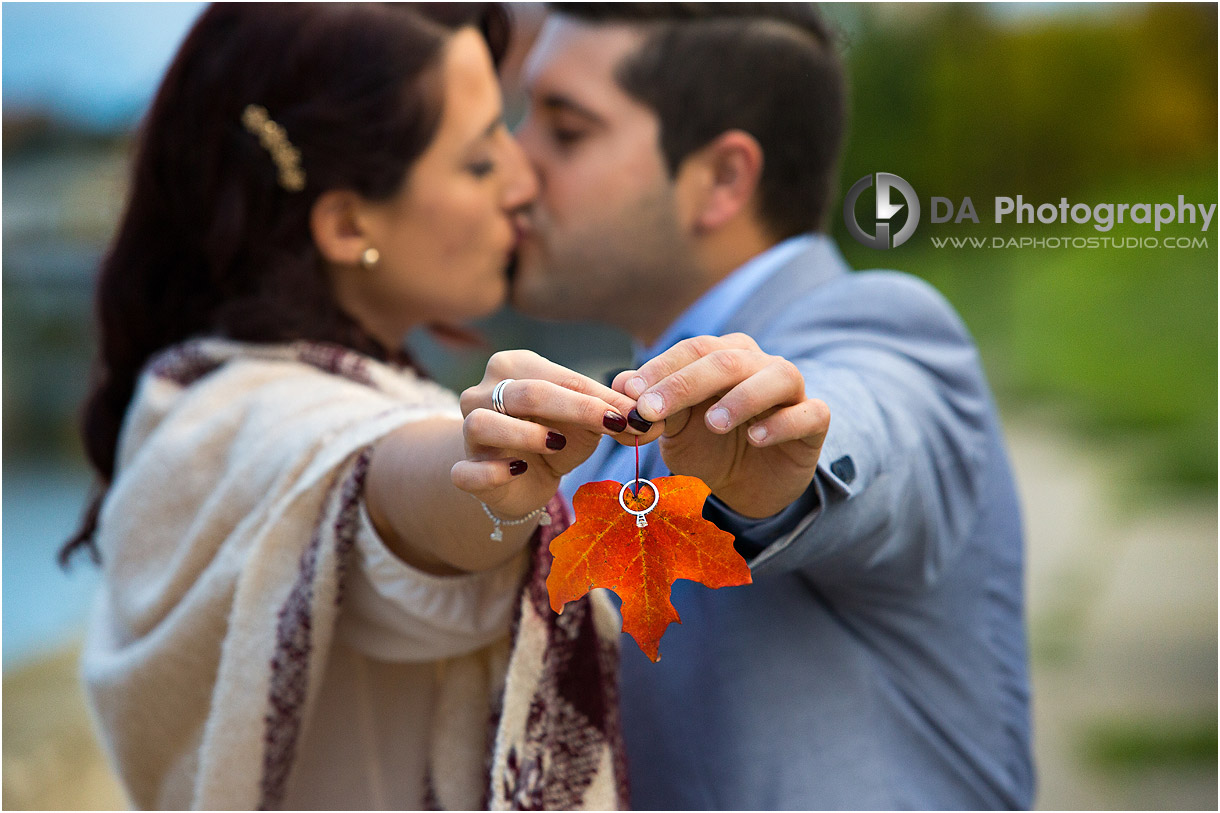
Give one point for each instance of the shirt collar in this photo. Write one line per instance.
(709, 313)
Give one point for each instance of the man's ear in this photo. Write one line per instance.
(336, 225)
(718, 182)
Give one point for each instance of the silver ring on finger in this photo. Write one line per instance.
(497, 396)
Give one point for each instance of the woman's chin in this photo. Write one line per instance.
(487, 299)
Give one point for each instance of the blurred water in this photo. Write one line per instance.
(44, 607)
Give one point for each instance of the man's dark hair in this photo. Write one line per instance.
(770, 69)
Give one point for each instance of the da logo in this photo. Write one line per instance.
(885, 210)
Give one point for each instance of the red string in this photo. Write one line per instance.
(635, 490)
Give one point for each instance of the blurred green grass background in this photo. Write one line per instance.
(1115, 107)
(1122, 342)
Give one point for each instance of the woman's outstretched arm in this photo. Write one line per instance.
(426, 480)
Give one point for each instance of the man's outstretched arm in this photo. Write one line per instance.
(895, 480)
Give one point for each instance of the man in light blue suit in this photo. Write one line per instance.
(686, 156)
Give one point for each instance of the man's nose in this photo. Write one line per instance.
(522, 186)
(526, 134)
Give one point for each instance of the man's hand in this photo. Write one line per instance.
(735, 417)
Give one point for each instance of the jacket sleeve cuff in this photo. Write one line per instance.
(833, 478)
(754, 535)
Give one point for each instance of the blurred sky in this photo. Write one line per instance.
(95, 64)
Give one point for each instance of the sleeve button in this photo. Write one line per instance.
(844, 469)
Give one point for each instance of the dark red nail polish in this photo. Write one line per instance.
(638, 423)
(614, 422)
(555, 441)
(517, 467)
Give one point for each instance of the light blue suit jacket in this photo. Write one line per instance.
(879, 658)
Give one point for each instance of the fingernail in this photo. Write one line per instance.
(517, 467)
(614, 421)
(555, 441)
(636, 386)
(653, 401)
(638, 423)
(718, 418)
(758, 433)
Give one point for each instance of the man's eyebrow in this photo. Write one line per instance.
(561, 103)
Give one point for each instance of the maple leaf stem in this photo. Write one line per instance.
(635, 486)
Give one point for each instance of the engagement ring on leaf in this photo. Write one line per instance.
(640, 520)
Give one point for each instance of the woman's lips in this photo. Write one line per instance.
(522, 228)
(520, 233)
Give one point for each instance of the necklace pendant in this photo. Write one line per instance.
(497, 535)
(641, 521)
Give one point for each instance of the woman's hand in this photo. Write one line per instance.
(551, 422)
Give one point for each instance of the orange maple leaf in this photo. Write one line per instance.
(606, 548)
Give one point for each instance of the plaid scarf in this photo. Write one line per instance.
(206, 656)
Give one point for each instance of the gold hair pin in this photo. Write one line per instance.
(271, 135)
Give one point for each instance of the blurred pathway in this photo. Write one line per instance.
(1122, 608)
